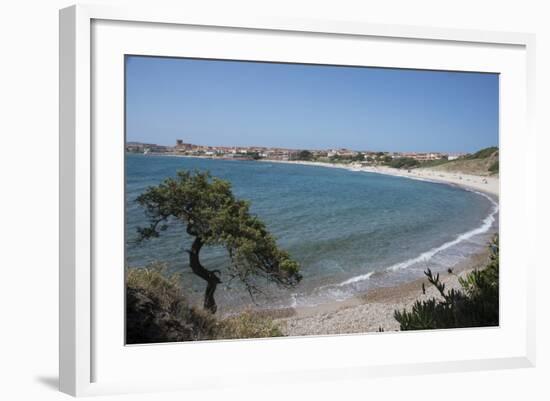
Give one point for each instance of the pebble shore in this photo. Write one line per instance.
(372, 311)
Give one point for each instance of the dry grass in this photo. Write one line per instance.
(248, 325)
(154, 280)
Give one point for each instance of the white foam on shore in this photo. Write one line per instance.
(356, 279)
(483, 228)
(337, 292)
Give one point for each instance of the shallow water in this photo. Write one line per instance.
(348, 230)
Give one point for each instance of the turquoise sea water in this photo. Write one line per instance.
(349, 230)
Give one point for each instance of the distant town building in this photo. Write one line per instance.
(183, 147)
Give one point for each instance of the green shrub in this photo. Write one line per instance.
(476, 304)
(494, 167)
(157, 311)
(305, 155)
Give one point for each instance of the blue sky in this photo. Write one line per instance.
(298, 106)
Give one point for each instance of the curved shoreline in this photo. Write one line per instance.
(465, 263)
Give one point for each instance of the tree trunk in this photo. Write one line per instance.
(209, 276)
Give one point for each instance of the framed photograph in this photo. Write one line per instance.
(291, 200)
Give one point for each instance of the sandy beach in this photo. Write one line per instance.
(487, 184)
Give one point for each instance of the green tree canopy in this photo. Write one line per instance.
(305, 155)
(214, 217)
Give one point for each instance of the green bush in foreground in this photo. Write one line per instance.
(157, 311)
(474, 305)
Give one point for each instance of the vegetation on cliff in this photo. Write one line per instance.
(157, 311)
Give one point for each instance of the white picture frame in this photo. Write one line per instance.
(88, 366)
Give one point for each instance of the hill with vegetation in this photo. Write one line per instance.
(483, 162)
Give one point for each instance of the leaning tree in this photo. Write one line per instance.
(212, 215)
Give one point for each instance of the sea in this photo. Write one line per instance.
(351, 231)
